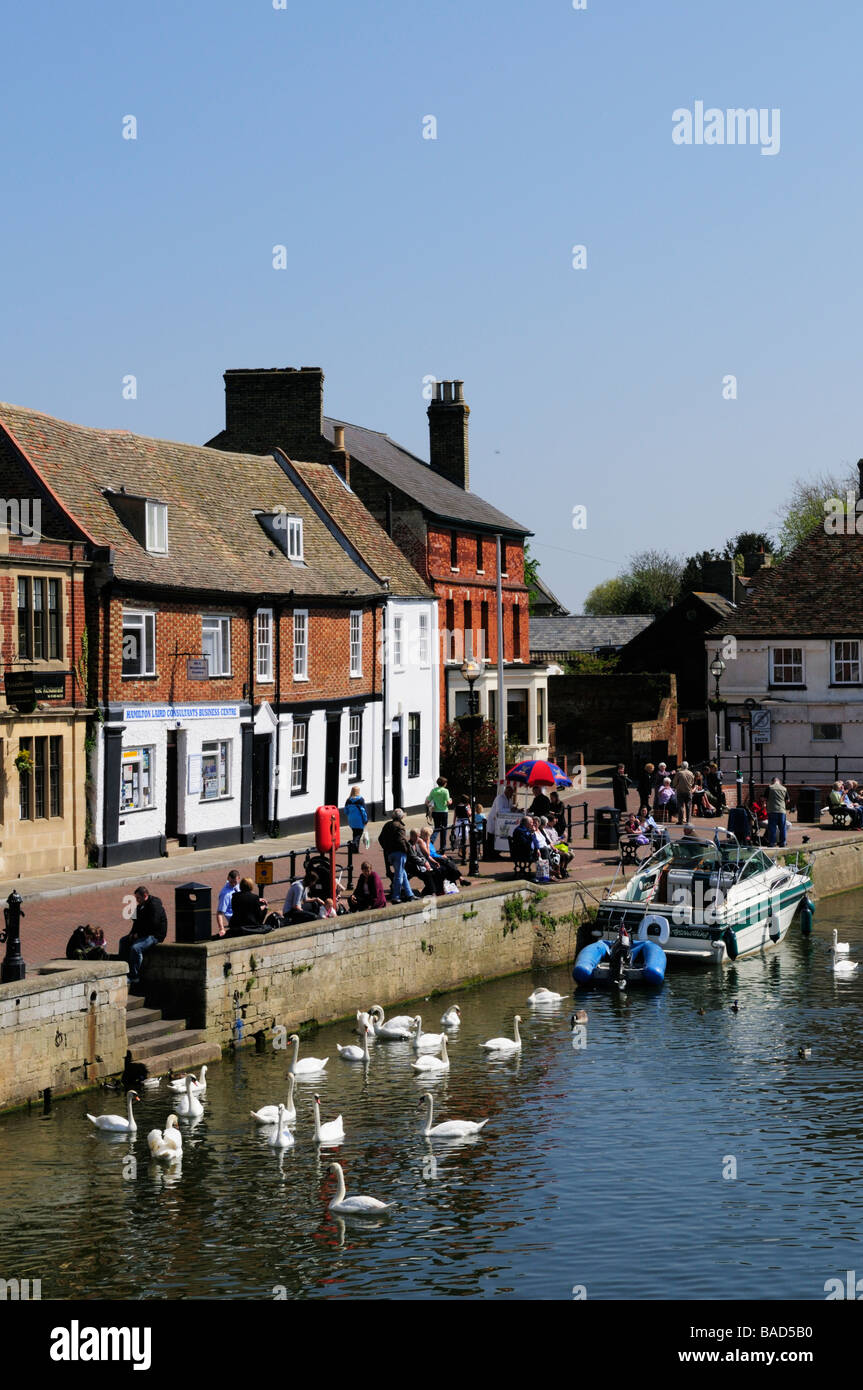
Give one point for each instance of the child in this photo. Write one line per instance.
(461, 824)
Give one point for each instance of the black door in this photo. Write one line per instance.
(331, 767)
(261, 783)
(171, 786)
(397, 765)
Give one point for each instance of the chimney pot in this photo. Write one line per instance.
(448, 430)
(339, 433)
(860, 475)
(447, 391)
(459, 390)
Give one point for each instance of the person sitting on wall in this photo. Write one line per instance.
(82, 945)
(369, 891)
(448, 869)
(223, 912)
(248, 911)
(418, 864)
(149, 928)
(300, 905)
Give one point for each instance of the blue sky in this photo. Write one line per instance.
(599, 387)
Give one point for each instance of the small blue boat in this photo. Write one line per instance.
(643, 964)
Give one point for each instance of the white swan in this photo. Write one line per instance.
(426, 1042)
(353, 1206)
(281, 1138)
(840, 948)
(844, 967)
(363, 1021)
(397, 1029)
(352, 1053)
(199, 1083)
(308, 1065)
(333, 1132)
(167, 1143)
(427, 1062)
(545, 996)
(448, 1129)
(116, 1123)
(452, 1017)
(189, 1104)
(269, 1114)
(505, 1044)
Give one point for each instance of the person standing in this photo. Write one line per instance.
(645, 784)
(620, 788)
(438, 803)
(357, 816)
(225, 908)
(777, 806)
(393, 841)
(683, 782)
(148, 929)
(501, 806)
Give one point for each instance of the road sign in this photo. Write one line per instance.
(264, 872)
(760, 725)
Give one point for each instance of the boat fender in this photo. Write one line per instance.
(730, 943)
(654, 919)
(774, 925)
(807, 915)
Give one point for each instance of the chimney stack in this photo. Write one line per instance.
(339, 456)
(448, 448)
(276, 408)
(860, 476)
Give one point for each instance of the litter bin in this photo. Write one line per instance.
(606, 834)
(809, 806)
(193, 912)
(738, 823)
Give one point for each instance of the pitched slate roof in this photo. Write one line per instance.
(547, 599)
(582, 633)
(434, 494)
(816, 591)
(214, 539)
(378, 550)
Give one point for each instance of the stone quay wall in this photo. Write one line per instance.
(321, 971)
(62, 1029)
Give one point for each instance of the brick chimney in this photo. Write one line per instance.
(718, 577)
(448, 416)
(276, 407)
(339, 456)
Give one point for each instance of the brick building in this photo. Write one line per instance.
(447, 532)
(235, 630)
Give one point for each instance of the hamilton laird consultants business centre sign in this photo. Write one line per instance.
(151, 712)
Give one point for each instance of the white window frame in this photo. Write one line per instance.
(293, 527)
(356, 639)
(140, 620)
(220, 749)
(844, 661)
(423, 640)
(219, 626)
(398, 643)
(157, 528)
(301, 648)
(264, 646)
(128, 760)
(773, 678)
(355, 744)
(299, 756)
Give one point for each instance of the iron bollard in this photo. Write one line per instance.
(13, 967)
(584, 812)
(350, 865)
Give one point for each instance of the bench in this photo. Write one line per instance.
(522, 862)
(841, 816)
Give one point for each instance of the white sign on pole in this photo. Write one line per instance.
(760, 725)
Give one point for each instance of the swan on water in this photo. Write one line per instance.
(840, 948)
(505, 1044)
(356, 1206)
(842, 966)
(427, 1062)
(199, 1083)
(117, 1123)
(545, 996)
(167, 1143)
(448, 1129)
(281, 1138)
(333, 1132)
(269, 1114)
(352, 1053)
(426, 1042)
(394, 1027)
(308, 1065)
(363, 1021)
(189, 1104)
(452, 1017)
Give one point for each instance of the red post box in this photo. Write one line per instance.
(327, 829)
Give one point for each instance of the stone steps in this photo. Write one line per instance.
(164, 1045)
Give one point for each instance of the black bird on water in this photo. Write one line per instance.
(735, 1007)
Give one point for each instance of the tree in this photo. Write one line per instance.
(455, 756)
(612, 596)
(804, 509)
(531, 576)
(656, 577)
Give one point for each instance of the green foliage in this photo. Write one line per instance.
(586, 664)
(466, 916)
(804, 510)
(455, 756)
(650, 584)
(531, 575)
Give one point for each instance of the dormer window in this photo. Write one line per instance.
(157, 528)
(286, 531)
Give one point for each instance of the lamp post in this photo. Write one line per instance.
(13, 967)
(751, 705)
(717, 671)
(471, 671)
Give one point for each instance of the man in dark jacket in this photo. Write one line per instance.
(620, 787)
(393, 841)
(148, 929)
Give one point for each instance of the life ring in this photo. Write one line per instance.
(654, 919)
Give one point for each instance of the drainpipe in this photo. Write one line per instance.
(277, 618)
(252, 653)
(501, 694)
(384, 638)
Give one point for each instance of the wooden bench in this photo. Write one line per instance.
(841, 816)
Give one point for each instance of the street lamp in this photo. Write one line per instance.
(471, 670)
(751, 705)
(717, 671)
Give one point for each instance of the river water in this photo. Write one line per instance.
(675, 1156)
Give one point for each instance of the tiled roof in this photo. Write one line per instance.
(214, 538)
(434, 494)
(582, 633)
(380, 553)
(817, 591)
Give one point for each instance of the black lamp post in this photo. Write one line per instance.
(13, 967)
(751, 705)
(471, 723)
(717, 671)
